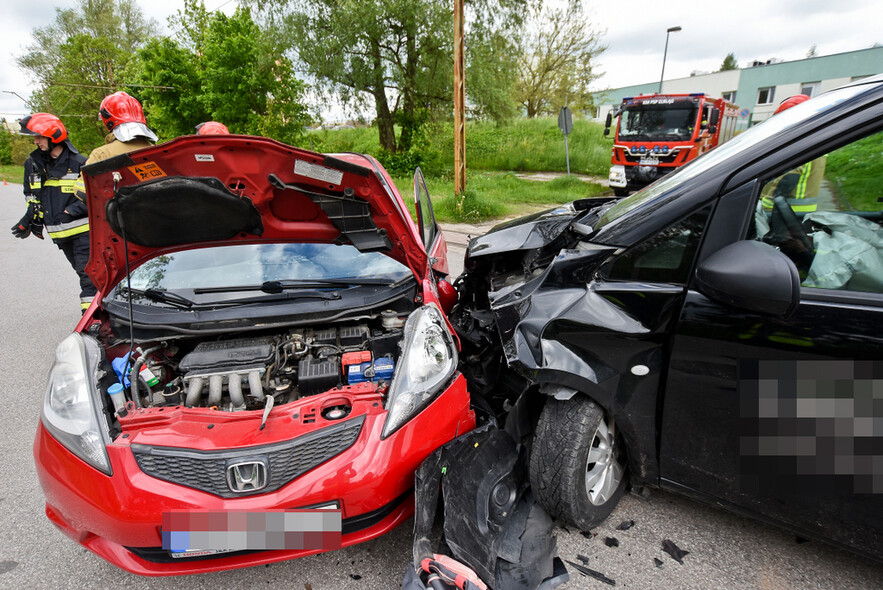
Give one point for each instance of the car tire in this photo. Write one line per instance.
(621, 192)
(577, 463)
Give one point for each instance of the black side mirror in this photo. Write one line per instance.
(750, 275)
(715, 118)
(609, 120)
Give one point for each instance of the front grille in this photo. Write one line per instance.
(668, 158)
(207, 470)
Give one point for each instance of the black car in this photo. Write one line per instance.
(713, 334)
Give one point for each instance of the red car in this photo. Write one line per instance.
(269, 335)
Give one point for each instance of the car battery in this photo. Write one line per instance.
(380, 369)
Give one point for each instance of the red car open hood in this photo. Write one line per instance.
(200, 190)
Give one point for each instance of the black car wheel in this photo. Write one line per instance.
(577, 467)
(621, 192)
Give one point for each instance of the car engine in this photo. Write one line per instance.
(238, 373)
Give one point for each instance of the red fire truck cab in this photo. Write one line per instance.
(656, 133)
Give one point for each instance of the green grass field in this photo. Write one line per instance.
(525, 145)
(492, 195)
(855, 171)
(11, 174)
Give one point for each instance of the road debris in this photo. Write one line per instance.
(676, 552)
(625, 525)
(592, 573)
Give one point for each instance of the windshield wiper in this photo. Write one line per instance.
(274, 287)
(161, 296)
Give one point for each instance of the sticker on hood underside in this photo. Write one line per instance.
(147, 170)
(317, 172)
(204, 157)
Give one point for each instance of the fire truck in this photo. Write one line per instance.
(657, 133)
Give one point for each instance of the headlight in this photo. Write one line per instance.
(426, 365)
(68, 408)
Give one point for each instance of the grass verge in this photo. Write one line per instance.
(11, 174)
(492, 195)
(855, 171)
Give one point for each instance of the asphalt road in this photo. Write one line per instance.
(38, 308)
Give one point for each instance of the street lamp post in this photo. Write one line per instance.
(668, 32)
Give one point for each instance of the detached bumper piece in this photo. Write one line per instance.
(492, 524)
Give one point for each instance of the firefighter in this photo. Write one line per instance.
(212, 128)
(127, 128)
(123, 117)
(799, 186)
(51, 172)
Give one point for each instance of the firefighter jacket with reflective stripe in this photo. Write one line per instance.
(50, 182)
(114, 147)
(800, 187)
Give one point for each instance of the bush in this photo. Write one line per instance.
(22, 146)
(400, 164)
(5, 145)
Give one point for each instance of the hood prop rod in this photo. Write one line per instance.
(133, 386)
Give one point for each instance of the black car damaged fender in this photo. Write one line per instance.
(542, 325)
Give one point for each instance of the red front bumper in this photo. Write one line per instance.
(371, 480)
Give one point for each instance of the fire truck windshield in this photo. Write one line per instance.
(667, 122)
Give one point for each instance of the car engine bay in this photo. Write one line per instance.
(239, 373)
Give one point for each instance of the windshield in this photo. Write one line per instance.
(254, 264)
(666, 122)
(741, 143)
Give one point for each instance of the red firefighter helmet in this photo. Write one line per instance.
(122, 114)
(45, 125)
(790, 102)
(212, 128)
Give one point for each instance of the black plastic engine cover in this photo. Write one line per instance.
(229, 355)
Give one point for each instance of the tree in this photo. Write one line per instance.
(77, 60)
(220, 68)
(556, 64)
(729, 63)
(811, 52)
(393, 54)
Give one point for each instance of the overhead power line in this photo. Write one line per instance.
(112, 87)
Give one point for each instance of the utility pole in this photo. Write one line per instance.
(459, 103)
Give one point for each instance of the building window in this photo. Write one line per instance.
(729, 96)
(809, 88)
(766, 95)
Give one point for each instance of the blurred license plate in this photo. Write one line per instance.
(649, 162)
(189, 533)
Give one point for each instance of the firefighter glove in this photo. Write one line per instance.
(31, 223)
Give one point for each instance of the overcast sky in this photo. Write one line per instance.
(634, 33)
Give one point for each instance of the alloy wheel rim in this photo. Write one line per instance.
(603, 469)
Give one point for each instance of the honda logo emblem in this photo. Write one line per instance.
(247, 476)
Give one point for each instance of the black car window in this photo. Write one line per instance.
(826, 215)
(664, 258)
